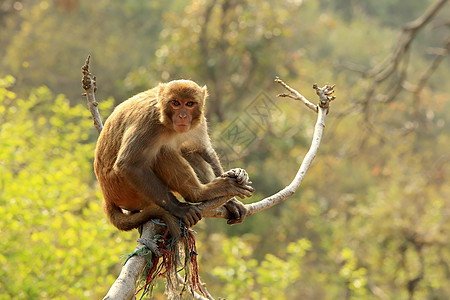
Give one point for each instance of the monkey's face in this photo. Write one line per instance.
(183, 111)
(181, 104)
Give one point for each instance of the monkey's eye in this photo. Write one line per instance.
(175, 103)
(190, 104)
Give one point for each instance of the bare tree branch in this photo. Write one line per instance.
(89, 84)
(390, 77)
(409, 32)
(295, 95)
(125, 285)
(441, 53)
(325, 95)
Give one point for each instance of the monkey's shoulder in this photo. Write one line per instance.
(142, 102)
(138, 108)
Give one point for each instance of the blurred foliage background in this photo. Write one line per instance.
(371, 220)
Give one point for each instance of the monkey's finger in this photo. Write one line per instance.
(237, 210)
(239, 174)
(234, 212)
(197, 214)
(235, 221)
(193, 220)
(244, 195)
(236, 173)
(242, 177)
(248, 188)
(231, 173)
(239, 171)
(186, 221)
(246, 192)
(227, 174)
(190, 217)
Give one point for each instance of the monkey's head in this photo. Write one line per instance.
(181, 104)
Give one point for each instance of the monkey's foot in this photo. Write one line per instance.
(237, 210)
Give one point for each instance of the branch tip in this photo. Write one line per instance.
(295, 95)
(326, 94)
(283, 95)
(88, 59)
(89, 84)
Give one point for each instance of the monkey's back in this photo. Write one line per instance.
(139, 109)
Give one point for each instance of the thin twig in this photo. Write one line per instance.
(89, 84)
(295, 95)
(433, 66)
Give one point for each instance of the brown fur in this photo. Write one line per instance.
(141, 158)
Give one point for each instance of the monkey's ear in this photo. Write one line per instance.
(161, 88)
(205, 92)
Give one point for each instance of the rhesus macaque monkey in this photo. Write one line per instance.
(156, 144)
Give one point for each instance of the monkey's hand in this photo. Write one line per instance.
(239, 174)
(235, 207)
(237, 211)
(188, 213)
(240, 177)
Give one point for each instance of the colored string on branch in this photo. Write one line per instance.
(160, 266)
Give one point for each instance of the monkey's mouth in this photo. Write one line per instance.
(182, 127)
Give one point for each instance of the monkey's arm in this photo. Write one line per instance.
(211, 157)
(133, 166)
(180, 176)
(233, 205)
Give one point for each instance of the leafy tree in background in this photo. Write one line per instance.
(390, 206)
(391, 13)
(374, 207)
(55, 242)
(229, 45)
(46, 36)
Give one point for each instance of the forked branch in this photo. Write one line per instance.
(325, 97)
(125, 285)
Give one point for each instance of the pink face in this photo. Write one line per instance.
(182, 113)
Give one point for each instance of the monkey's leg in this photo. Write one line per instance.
(203, 164)
(178, 174)
(202, 169)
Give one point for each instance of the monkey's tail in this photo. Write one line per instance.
(127, 222)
